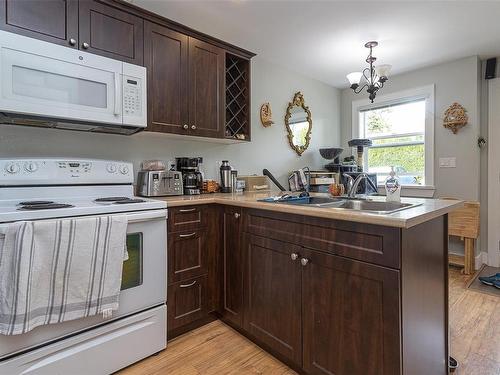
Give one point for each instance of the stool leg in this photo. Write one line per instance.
(469, 256)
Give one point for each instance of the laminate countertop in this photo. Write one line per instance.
(427, 209)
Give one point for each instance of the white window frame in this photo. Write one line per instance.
(419, 93)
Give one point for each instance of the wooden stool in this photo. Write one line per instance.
(464, 223)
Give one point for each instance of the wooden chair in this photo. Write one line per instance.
(464, 223)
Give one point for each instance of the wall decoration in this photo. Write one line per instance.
(298, 124)
(455, 118)
(266, 115)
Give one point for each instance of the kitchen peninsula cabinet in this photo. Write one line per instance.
(331, 291)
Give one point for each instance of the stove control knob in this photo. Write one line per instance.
(12, 168)
(111, 168)
(31, 166)
(124, 169)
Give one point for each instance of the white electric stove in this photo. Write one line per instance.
(48, 189)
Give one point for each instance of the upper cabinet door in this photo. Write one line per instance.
(206, 89)
(166, 60)
(110, 32)
(351, 317)
(54, 21)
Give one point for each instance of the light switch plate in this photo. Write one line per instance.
(448, 162)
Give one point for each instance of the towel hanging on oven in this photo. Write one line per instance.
(53, 271)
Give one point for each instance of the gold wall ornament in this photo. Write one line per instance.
(266, 115)
(455, 118)
(298, 124)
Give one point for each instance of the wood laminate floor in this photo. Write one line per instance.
(216, 349)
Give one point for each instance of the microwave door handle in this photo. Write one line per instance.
(117, 96)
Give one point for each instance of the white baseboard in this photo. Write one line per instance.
(479, 260)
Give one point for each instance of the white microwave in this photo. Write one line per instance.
(46, 84)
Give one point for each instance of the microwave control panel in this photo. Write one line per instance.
(132, 97)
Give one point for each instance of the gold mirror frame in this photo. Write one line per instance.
(298, 101)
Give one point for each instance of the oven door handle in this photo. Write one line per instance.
(139, 217)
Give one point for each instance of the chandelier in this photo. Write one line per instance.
(372, 77)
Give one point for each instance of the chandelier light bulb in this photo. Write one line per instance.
(354, 78)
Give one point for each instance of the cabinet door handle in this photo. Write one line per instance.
(187, 210)
(294, 256)
(85, 45)
(193, 127)
(185, 126)
(187, 235)
(187, 285)
(72, 41)
(304, 262)
(236, 215)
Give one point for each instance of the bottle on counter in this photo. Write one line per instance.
(225, 177)
(392, 187)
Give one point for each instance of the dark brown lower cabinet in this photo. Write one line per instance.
(232, 268)
(273, 289)
(350, 317)
(187, 254)
(187, 302)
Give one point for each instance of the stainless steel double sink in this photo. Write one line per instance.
(355, 204)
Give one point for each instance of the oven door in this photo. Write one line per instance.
(143, 284)
(44, 79)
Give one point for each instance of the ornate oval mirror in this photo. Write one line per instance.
(298, 124)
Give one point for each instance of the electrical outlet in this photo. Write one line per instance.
(448, 162)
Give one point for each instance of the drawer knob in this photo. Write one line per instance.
(187, 285)
(236, 215)
(85, 45)
(304, 262)
(294, 256)
(72, 41)
(185, 126)
(193, 127)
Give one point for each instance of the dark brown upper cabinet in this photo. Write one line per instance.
(54, 21)
(185, 83)
(166, 60)
(108, 31)
(206, 89)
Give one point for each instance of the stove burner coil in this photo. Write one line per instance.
(130, 201)
(111, 199)
(46, 206)
(31, 203)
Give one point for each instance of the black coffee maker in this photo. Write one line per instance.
(192, 178)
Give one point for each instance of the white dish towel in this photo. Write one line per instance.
(53, 271)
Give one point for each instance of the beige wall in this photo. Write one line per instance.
(269, 147)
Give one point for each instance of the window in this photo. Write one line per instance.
(401, 128)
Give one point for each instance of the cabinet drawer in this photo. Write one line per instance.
(187, 302)
(186, 218)
(187, 255)
(370, 243)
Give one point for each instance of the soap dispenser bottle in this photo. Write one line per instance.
(392, 187)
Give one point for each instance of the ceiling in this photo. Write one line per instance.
(325, 39)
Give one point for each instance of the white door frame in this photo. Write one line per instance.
(494, 172)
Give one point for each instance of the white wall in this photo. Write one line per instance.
(269, 147)
(456, 81)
